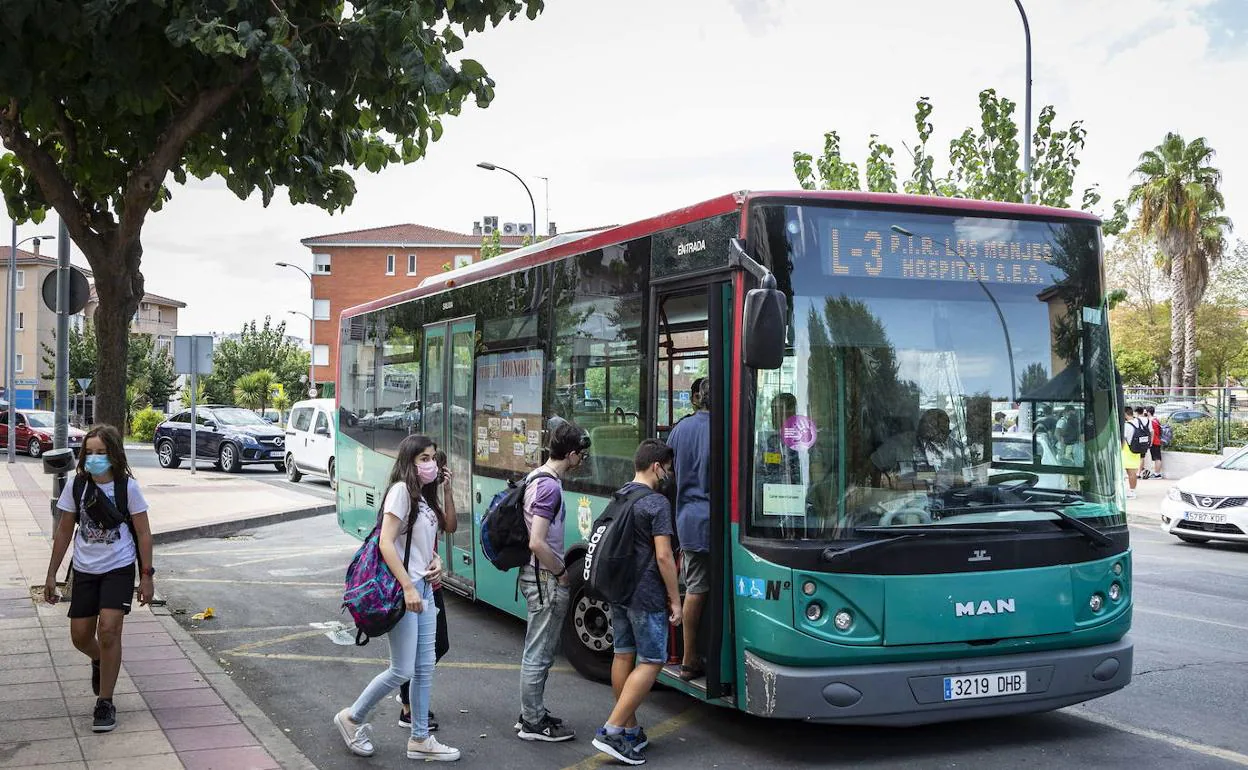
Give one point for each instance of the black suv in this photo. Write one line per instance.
(229, 435)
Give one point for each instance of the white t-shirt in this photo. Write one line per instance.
(424, 533)
(97, 550)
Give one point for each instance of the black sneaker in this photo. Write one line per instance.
(520, 721)
(549, 729)
(638, 741)
(617, 747)
(95, 678)
(105, 717)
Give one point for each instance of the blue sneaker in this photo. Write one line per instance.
(617, 747)
(639, 740)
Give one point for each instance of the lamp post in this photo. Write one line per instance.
(1026, 109)
(492, 167)
(10, 353)
(311, 328)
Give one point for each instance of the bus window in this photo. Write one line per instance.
(358, 352)
(598, 366)
(683, 345)
(396, 410)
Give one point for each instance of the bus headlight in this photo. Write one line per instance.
(814, 611)
(808, 588)
(843, 620)
(1096, 603)
(1115, 592)
(1117, 568)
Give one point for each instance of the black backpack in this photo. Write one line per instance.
(121, 490)
(608, 569)
(504, 535)
(1140, 438)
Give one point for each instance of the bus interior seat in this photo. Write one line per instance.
(612, 452)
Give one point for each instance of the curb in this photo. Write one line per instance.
(227, 528)
(271, 737)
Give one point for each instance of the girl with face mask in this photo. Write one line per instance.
(105, 552)
(406, 508)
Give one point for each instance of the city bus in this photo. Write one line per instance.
(885, 549)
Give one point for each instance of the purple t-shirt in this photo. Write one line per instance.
(544, 497)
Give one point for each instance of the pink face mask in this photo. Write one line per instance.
(427, 470)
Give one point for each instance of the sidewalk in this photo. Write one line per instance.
(186, 505)
(176, 707)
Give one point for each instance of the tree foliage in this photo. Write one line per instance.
(257, 347)
(101, 102)
(254, 390)
(1134, 264)
(491, 245)
(984, 161)
(83, 357)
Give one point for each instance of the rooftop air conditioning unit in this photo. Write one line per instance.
(526, 228)
(511, 228)
(489, 224)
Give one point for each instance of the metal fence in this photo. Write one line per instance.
(1203, 420)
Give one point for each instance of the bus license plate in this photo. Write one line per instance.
(985, 685)
(1207, 518)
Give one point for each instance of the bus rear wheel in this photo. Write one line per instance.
(586, 636)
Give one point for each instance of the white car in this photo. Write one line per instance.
(310, 432)
(1211, 504)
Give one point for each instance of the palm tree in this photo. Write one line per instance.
(1180, 206)
(255, 389)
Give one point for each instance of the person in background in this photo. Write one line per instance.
(103, 562)
(1130, 460)
(998, 423)
(1154, 449)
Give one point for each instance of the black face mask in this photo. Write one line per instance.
(666, 484)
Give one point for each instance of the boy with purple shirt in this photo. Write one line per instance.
(544, 582)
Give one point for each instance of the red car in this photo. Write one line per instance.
(34, 431)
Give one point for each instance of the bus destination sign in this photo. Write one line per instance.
(881, 253)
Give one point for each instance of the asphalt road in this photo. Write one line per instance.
(1185, 708)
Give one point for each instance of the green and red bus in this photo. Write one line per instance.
(916, 479)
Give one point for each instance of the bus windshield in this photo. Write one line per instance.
(940, 368)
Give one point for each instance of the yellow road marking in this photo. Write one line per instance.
(250, 582)
(683, 719)
(242, 630)
(382, 661)
(1233, 757)
(1192, 618)
(276, 640)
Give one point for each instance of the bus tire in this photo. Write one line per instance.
(586, 637)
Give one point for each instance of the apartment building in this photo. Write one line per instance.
(156, 317)
(354, 267)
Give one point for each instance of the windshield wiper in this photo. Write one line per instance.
(1063, 519)
(906, 533)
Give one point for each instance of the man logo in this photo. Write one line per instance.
(979, 555)
(984, 608)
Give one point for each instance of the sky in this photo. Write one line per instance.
(632, 109)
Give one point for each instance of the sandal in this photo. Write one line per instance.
(689, 673)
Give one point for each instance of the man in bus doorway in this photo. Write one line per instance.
(690, 440)
(544, 582)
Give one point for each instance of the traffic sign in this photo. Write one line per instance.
(192, 355)
(79, 291)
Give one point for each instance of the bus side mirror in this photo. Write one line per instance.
(764, 333)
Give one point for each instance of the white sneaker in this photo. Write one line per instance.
(359, 738)
(1130, 494)
(431, 750)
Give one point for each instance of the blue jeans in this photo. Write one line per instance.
(541, 639)
(411, 657)
(640, 632)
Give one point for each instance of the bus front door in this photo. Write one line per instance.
(447, 419)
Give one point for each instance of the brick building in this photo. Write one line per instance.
(354, 267)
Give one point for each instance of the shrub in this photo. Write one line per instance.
(144, 426)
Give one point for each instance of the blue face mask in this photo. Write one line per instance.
(97, 465)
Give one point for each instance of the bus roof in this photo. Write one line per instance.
(570, 243)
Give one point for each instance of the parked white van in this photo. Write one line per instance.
(310, 440)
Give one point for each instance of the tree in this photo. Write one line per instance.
(1221, 337)
(1134, 263)
(101, 102)
(254, 390)
(82, 356)
(185, 396)
(263, 347)
(984, 162)
(491, 245)
(1032, 378)
(1228, 280)
(1139, 334)
(1180, 206)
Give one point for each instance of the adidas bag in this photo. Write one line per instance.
(608, 569)
(504, 535)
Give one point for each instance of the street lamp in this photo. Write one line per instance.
(10, 353)
(492, 167)
(1026, 109)
(311, 327)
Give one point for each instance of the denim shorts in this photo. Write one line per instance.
(640, 632)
